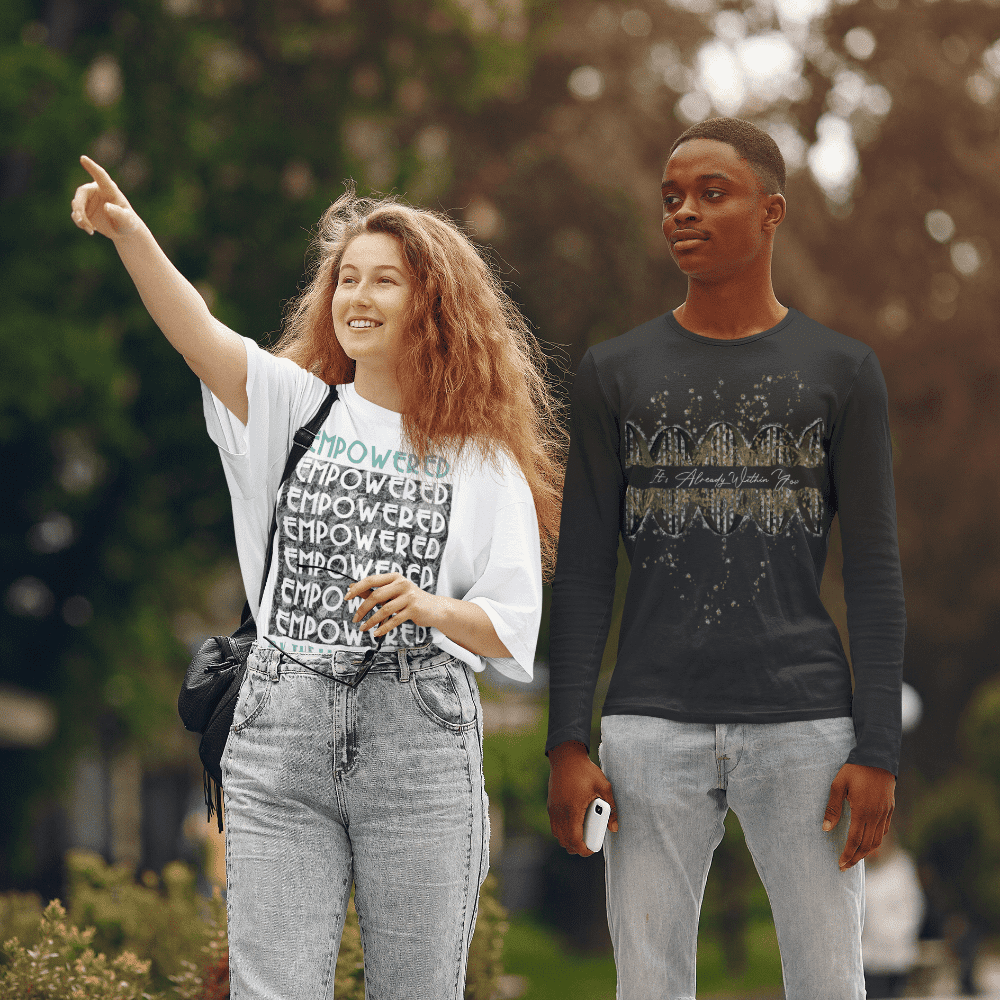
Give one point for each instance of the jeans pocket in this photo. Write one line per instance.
(254, 694)
(444, 694)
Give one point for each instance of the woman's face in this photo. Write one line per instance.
(371, 302)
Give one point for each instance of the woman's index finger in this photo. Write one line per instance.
(375, 580)
(103, 178)
(370, 583)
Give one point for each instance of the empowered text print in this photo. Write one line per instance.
(338, 524)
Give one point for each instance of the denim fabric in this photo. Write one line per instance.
(381, 785)
(673, 784)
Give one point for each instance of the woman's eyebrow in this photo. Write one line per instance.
(376, 267)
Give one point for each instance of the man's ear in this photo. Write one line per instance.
(774, 211)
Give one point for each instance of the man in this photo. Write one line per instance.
(719, 440)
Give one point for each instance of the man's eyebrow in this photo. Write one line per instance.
(702, 177)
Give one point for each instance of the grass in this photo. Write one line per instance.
(533, 951)
(763, 972)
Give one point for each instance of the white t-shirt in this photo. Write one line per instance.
(356, 505)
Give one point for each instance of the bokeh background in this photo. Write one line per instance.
(542, 127)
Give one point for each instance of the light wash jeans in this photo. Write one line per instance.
(673, 784)
(381, 785)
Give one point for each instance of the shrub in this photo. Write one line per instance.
(181, 936)
(64, 966)
(208, 978)
(486, 949)
(164, 920)
(349, 978)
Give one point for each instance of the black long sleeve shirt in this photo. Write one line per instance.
(722, 463)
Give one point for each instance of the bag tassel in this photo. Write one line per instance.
(212, 801)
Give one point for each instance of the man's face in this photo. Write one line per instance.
(716, 217)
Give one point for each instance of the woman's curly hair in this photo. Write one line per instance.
(475, 376)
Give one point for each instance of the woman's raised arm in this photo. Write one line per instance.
(214, 352)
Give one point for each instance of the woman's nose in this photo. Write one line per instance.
(361, 292)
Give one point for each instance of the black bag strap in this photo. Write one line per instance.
(302, 442)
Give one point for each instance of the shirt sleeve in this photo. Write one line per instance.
(282, 396)
(509, 588)
(583, 589)
(861, 470)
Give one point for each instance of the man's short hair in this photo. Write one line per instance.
(753, 144)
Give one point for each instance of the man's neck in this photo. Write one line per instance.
(730, 310)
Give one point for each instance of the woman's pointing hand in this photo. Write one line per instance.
(99, 206)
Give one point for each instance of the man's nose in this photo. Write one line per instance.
(688, 210)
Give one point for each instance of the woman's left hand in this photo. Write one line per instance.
(401, 601)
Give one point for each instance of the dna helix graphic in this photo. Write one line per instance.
(772, 479)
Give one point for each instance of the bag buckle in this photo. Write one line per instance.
(230, 651)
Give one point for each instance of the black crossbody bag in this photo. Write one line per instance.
(207, 701)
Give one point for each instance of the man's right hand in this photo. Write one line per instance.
(574, 782)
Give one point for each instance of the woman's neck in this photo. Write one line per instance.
(379, 388)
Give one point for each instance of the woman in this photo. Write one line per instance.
(409, 548)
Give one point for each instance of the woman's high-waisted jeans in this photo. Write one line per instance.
(380, 784)
(673, 784)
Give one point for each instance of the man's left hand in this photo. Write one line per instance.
(870, 792)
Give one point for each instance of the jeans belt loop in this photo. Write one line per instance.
(404, 666)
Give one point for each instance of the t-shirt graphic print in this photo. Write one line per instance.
(339, 523)
(726, 479)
